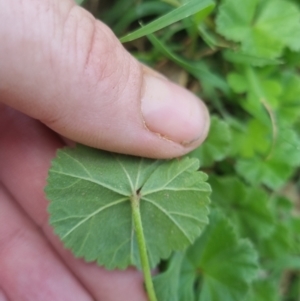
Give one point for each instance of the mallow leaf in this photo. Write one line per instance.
(275, 169)
(273, 173)
(217, 145)
(263, 27)
(247, 207)
(218, 266)
(263, 92)
(289, 110)
(239, 57)
(279, 244)
(284, 241)
(263, 290)
(250, 138)
(227, 264)
(93, 195)
(166, 284)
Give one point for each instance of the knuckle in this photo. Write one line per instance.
(90, 44)
(93, 50)
(103, 58)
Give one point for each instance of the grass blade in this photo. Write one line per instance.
(196, 68)
(184, 11)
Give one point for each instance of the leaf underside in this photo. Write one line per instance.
(90, 209)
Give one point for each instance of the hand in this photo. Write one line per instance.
(65, 77)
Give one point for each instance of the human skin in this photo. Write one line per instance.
(65, 77)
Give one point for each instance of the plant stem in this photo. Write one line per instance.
(135, 205)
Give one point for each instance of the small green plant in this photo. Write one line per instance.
(243, 59)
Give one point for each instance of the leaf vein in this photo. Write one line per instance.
(117, 250)
(170, 217)
(92, 180)
(179, 189)
(170, 180)
(185, 215)
(126, 173)
(79, 163)
(93, 214)
(85, 240)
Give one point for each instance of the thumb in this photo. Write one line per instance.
(61, 66)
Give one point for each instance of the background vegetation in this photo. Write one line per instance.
(243, 59)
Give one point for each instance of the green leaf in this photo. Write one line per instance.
(257, 171)
(284, 241)
(166, 284)
(287, 147)
(263, 27)
(79, 2)
(248, 208)
(217, 145)
(262, 92)
(225, 264)
(276, 91)
(275, 169)
(289, 109)
(240, 57)
(259, 86)
(263, 291)
(250, 138)
(279, 244)
(184, 11)
(92, 193)
(188, 281)
(237, 82)
(219, 266)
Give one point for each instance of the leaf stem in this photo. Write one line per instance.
(135, 205)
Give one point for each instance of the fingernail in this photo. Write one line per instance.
(172, 111)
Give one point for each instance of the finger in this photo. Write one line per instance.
(3, 296)
(29, 267)
(29, 148)
(61, 66)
